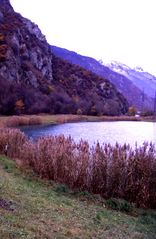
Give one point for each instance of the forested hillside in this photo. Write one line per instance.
(32, 80)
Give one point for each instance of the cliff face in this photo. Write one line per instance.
(6, 6)
(24, 53)
(33, 81)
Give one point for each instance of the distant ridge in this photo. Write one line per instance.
(129, 87)
(140, 78)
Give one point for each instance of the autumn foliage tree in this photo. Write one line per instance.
(132, 111)
(72, 91)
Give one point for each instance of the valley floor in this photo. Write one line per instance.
(31, 208)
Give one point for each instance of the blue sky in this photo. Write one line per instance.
(120, 30)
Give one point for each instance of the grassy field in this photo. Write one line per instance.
(35, 209)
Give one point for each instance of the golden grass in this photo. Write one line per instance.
(7, 121)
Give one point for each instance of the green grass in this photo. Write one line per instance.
(44, 210)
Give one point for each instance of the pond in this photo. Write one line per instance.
(103, 132)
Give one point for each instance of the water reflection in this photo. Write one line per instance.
(104, 132)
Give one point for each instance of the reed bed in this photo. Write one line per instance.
(111, 171)
(11, 142)
(15, 121)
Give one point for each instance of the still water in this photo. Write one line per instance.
(103, 132)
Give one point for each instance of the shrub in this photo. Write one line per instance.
(147, 113)
(119, 204)
(149, 219)
(79, 112)
(61, 188)
(132, 111)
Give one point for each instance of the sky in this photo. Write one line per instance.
(111, 30)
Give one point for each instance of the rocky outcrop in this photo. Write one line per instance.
(6, 6)
(24, 53)
(33, 81)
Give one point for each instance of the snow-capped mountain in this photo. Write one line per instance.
(140, 78)
(132, 83)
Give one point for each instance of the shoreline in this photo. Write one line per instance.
(46, 119)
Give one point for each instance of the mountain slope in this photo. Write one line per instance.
(33, 81)
(143, 80)
(89, 93)
(24, 52)
(133, 94)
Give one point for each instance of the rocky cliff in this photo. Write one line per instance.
(24, 53)
(33, 81)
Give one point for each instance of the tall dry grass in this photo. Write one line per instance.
(15, 121)
(11, 142)
(111, 171)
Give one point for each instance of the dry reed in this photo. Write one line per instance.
(15, 121)
(111, 171)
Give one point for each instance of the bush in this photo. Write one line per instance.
(119, 204)
(132, 111)
(79, 112)
(61, 188)
(147, 113)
